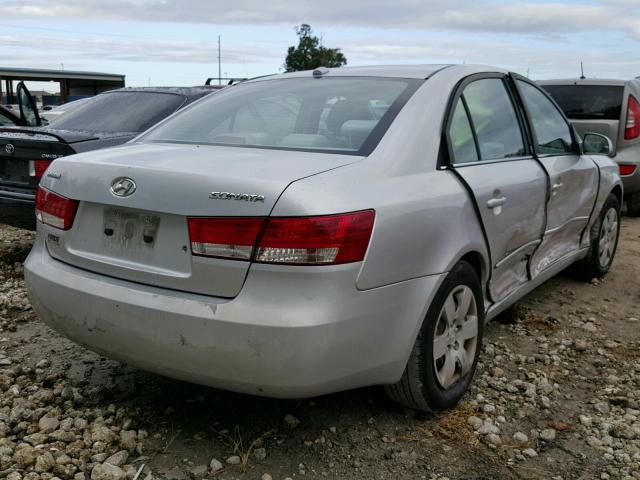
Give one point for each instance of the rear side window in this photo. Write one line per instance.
(552, 131)
(588, 102)
(121, 112)
(339, 114)
(461, 136)
(494, 119)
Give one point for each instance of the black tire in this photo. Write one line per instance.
(419, 387)
(633, 205)
(591, 267)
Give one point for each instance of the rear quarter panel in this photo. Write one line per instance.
(425, 220)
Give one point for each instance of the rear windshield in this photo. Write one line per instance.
(121, 112)
(339, 114)
(588, 102)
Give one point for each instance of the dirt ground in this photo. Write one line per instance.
(556, 396)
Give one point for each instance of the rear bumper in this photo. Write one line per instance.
(289, 333)
(17, 208)
(630, 156)
(631, 182)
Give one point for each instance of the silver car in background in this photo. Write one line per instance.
(612, 108)
(311, 232)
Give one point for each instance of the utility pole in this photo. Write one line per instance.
(219, 65)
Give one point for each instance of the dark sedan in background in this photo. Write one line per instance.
(109, 119)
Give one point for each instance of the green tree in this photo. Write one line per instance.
(309, 54)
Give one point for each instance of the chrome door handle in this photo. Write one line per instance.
(555, 187)
(496, 202)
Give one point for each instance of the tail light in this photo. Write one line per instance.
(627, 169)
(54, 209)
(38, 167)
(322, 240)
(632, 126)
(224, 237)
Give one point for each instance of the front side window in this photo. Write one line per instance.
(339, 114)
(494, 119)
(552, 131)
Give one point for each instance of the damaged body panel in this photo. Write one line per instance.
(302, 234)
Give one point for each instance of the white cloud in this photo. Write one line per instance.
(540, 58)
(543, 62)
(141, 50)
(463, 15)
(539, 35)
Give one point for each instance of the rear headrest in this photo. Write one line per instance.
(244, 138)
(357, 131)
(307, 140)
(345, 110)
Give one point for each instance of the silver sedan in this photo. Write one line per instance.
(312, 232)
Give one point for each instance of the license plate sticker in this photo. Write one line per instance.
(130, 229)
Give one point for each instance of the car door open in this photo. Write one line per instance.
(489, 154)
(573, 180)
(28, 110)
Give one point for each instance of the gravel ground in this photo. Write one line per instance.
(557, 396)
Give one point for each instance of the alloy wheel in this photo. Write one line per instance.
(456, 336)
(608, 237)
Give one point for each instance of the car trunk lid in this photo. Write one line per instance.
(25, 154)
(143, 236)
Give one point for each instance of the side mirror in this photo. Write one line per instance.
(596, 144)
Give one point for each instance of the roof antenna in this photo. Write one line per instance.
(582, 77)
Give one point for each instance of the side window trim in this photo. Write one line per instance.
(527, 132)
(472, 126)
(536, 151)
(458, 94)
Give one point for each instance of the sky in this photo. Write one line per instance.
(171, 42)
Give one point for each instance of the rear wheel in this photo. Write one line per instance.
(445, 354)
(633, 205)
(604, 242)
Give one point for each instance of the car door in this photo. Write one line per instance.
(489, 153)
(573, 177)
(28, 110)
